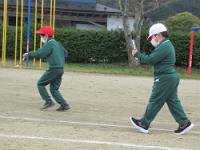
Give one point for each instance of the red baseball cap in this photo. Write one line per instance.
(46, 30)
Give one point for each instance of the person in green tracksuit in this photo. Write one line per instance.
(166, 81)
(55, 55)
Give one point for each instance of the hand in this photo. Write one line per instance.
(134, 51)
(24, 56)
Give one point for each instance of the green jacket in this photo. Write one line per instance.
(54, 53)
(163, 58)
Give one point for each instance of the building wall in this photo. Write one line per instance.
(86, 26)
(75, 18)
(116, 23)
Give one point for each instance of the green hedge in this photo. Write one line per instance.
(182, 44)
(105, 46)
(93, 46)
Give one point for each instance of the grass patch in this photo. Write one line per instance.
(125, 70)
(115, 69)
(184, 74)
(109, 69)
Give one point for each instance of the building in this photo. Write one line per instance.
(80, 14)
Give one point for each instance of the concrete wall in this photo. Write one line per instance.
(86, 26)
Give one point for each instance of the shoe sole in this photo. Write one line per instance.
(63, 109)
(137, 127)
(47, 107)
(186, 130)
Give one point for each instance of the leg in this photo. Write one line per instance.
(54, 88)
(44, 81)
(162, 89)
(176, 109)
(156, 102)
(179, 115)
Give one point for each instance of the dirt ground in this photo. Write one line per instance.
(99, 116)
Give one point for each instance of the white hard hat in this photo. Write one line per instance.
(156, 28)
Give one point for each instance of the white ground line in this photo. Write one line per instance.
(79, 141)
(82, 123)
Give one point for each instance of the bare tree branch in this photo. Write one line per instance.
(124, 6)
(121, 5)
(127, 6)
(139, 12)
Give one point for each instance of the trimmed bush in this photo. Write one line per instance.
(90, 46)
(182, 22)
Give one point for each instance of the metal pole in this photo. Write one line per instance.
(21, 34)
(54, 14)
(50, 18)
(42, 21)
(28, 30)
(35, 28)
(190, 53)
(4, 33)
(16, 32)
(195, 28)
(3, 39)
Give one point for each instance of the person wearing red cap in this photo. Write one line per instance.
(55, 55)
(166, 81)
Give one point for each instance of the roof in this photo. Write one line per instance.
(74, 5)
(86, 5)
(100, 7)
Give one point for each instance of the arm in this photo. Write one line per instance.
(41, 52)
(156, 56)
(65, 51)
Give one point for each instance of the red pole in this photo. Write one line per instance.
(190, 53)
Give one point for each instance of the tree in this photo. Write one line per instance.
(172, 9)
(136, 9)
(182, 22)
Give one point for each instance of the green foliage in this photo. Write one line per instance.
(182, 22)
(120, 69)
(104, 46)
(173, 8)
(92, 46)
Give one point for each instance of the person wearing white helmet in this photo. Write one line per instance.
(166, 81)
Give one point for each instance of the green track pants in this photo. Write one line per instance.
(53, 77)
(165, 91)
